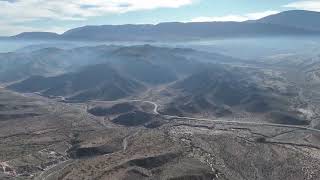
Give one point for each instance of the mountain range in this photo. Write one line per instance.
(288, 23)
(145, 63)
(101, 72)
(170, 110)
(201, 81)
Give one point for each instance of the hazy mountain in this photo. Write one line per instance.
(155, 65)
(148, 64)
(144, 64)
(48, 61)
(296, 18)
(93, 82)
(16, 66)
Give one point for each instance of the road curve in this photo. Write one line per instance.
(53, 170)
(155, 105)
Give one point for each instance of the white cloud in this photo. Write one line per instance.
(24, 10)
(259, 15)
(313, 5)
(237, 18)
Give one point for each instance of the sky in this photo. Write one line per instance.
(18, 16)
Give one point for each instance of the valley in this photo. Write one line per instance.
(196, 120)
(169, 104)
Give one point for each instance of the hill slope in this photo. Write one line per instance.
(93, 82)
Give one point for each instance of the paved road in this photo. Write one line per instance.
(248, 123)
(156, 106)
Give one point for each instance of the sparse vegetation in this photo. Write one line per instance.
(176, 112)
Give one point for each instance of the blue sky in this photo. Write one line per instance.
(60, 15)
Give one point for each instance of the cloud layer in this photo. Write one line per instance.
(313, 5)
(24, 10)
(237, 18)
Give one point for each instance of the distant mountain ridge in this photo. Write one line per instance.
(288, 23)
(181, 31)
(297, 18)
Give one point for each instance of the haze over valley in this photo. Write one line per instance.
(225, 100)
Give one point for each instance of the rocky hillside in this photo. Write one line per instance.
(222, 91)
